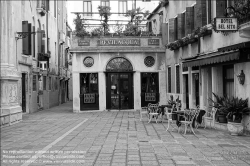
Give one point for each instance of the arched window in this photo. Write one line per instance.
(119, 64)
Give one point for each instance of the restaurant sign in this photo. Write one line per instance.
(226, 24)
(83, 42)
(150, 96)
(119, 42)
(89, 98)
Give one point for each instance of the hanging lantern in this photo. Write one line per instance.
(241, 77)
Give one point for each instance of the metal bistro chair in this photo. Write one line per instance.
(189, 117)
(153, 111)
(144, 110)
(169, 116)
(210, 117)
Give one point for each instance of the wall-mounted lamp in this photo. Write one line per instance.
(196, 76)
(241, 77)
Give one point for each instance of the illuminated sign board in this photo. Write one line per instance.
(226, 24)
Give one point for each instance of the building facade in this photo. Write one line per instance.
(201, 60)
(30, 57)
(113, 73)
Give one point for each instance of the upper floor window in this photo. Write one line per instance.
(122, 6)
(105, 3)
(87, 7)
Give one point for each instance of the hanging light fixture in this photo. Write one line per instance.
(241, 77)
(196, 76)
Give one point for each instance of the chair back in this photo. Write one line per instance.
(153, 108)
(191, 114)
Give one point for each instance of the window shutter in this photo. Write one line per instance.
(42, 42)
(25, 41)
(172, 30)
(150, 26)
(200, 13)
(189, 20)
(180, 26)
(29, 39)
(34, 42)
(220, 8)
(164, 34)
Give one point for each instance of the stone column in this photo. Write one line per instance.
(11, 111)
(102, 91)
(137, 90)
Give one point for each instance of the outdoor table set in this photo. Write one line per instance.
(188, 117)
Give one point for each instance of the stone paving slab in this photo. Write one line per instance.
(114, 138)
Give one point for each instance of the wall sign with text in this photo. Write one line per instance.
(154, 42)
(89, 98)
(226, 24)
(83, 42)
(119, 42)
(150, 96)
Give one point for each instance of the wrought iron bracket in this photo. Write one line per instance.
(22, 35)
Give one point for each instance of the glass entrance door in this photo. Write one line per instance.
(119, 91)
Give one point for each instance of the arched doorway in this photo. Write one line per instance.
(119, 80)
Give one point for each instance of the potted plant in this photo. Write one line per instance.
(217, 103)
(176, 103)
(235, 108)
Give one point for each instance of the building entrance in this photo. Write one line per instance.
(119, 91)
(119, 79)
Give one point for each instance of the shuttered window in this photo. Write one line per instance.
(200, 13)
(169, 79)
(220, 7)
(55, 8)
(209, 11)
(181, 25)
(104, 2)
(122, 6)
(172, 29)
(34, 42)
(177, 72)
(87, 7)
(165, 33)
(228, 80)
(189, 23)
(34, 83)
(26, 42)
(44, 82)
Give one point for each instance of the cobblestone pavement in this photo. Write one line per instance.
(59, 137)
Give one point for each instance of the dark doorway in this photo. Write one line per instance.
(89, 94)
(197, 92)
(120, 91)
(149, 88)
(186, 90)
(24, 92)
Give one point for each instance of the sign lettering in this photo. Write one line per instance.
(89, 98)
(83, 42)
(155, 42)
(150, 96)
(119, 42)
(226, 24)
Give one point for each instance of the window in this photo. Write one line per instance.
(34, 83)
(177, 72)
(122, 5)
(44, 82)
(169, 79)
(228, 80)
(104, 2)
(56, 83)
(87, 7)
(49, 83)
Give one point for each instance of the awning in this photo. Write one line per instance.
(235, 47)
(211, 58)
